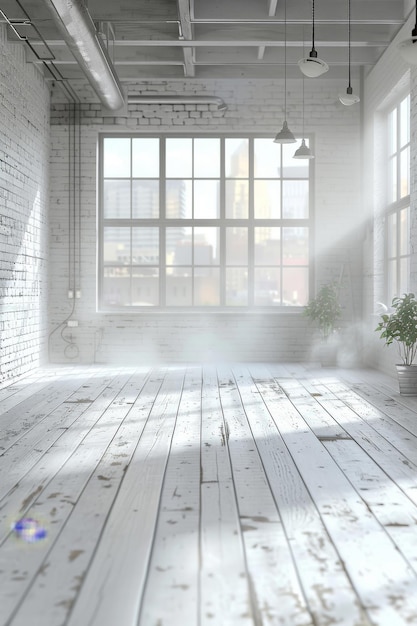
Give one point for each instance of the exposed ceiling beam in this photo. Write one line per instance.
(272, 7)
(215, 43)
(186, 34)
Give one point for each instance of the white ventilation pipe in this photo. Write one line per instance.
(219, 102)
(79, 33)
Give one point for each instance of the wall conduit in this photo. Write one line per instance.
(219, 102)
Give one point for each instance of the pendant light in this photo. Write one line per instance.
(312, 66)
(303, 152)
(408, 49)
(285, 135)
(349, 97)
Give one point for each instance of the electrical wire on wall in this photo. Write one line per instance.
(71, 349)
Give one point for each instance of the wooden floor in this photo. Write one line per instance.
(245, 495)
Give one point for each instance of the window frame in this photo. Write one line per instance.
(395, 285)
(222, 222)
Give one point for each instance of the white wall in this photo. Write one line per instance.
(389, 78)
(24, 161)
(253, 106)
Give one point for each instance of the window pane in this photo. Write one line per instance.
(206, 246)
(179, 158)
(267, 246)
(293, 168)
(237, 199)
(178, 246)
(267, 199)
(179, 287)
(145, 157)
(116, 157)
(405, 121)
(207, 286)
(236, 286)
(179, 202)
(145, 286)
(116, 245)
(392, 235)
(223, 235)
(405, 172)
(236, 246)
(404, 231)
(206, 199)
(237, 158)
(392, 279)
(295, 204)
(267, 286)
(116, 199)
(392, 180)
(392, 132)
(145, 199)
(207, 158)
(295, 246)
(145, 246)
(404, 275)
(116, 286)
(267, 158)
(295, 286)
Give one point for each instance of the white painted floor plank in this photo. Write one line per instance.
(171, 595)
(56, 585)
(270, 567)
(326, 585)
(52, 503)
(238, 495)
(381, 576)
(224, 589)
(124, 548)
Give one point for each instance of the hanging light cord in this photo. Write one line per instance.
(312, 11)
(349, 39)
(303, 110)
(414, 31)
(285, 59)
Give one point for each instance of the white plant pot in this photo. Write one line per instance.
(407, 379)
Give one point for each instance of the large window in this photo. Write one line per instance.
(398, 195)
(202, 222)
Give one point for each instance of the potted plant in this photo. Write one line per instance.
(400, 326)
(325, 310)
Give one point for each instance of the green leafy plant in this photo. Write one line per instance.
(401, 326)
(325, 309)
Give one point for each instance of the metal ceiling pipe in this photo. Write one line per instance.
(219, 102)
(79, 33)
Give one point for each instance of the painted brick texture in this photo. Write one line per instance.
(253, 106)
(24, 166)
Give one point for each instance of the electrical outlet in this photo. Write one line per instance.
(70, 294)
(72, 323)
(78, 293)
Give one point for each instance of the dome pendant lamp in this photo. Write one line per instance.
(408, 48)
(303, 152)
(285, 135)
(312, 66)
(349, 97)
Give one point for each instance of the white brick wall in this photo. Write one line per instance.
(383, 84)
(24, 163)
(253, 106)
